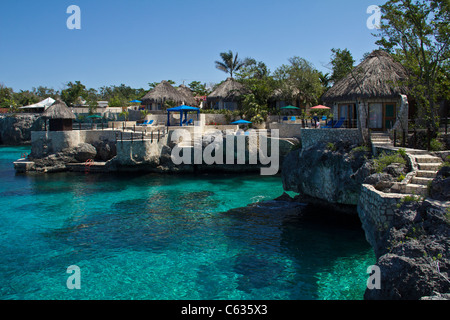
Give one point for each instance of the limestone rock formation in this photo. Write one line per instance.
(413, 255)
(329, 172)
(16, 129)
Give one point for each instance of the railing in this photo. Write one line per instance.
(417, 137)
(132, 135)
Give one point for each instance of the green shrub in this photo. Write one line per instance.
(436, 145)
(383, 160)
(331, 146)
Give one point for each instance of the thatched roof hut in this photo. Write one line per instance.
(227, 91)
(190, 100)
(60, 116)
(163, 92)
(378, 76)
(58, 110)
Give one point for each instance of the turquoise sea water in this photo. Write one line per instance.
(147, 236)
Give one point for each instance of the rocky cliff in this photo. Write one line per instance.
(331, 172)
(16, 129)
(413, 250)
(413, 254)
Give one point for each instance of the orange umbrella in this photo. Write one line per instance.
(320, 107)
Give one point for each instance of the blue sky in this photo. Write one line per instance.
(140, 41)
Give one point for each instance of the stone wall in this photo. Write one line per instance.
(49, 142)
(311, 137)
(376, 211)
(287, 130)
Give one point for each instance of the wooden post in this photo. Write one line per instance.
(158, 135)
(152, 136)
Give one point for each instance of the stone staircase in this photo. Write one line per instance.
(381, 139)
(427, 168)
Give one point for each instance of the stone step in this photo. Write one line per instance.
(416, 189)
(381, 140)
(426, 173)
(421, 180)
(427, 159)
(429, 166)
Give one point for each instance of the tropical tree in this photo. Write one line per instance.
(44, 92)
(416, 32)
(342, 63)
(25, 98)
(73, 92)
(299, 80)
(230, 63)
(6, 96)
(198, 88)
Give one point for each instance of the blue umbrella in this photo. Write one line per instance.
(241, 122)
(136, 101)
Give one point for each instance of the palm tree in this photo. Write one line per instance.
(230, 63)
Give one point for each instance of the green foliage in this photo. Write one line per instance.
(253, 109)
(125, 114)
(383, 160)
(342, 62)
(169, 104)
(73, 92)
(257, 119)
(230, 63)
(401, 178)
(409, 199)
(144, 113)
(117, 102)
(402, 152)
(198, 88)
(331, 146)
(416, 31)
(6, 97)
(436, 145)
(301, 75)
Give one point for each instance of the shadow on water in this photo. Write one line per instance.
(288, 246)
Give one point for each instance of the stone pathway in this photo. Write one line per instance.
(425, 168)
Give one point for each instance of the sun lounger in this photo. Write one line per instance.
(337, 124)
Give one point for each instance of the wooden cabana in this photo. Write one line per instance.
(60, 116)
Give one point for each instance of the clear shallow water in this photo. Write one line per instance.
(168, 237)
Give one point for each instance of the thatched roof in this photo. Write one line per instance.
(378, 76)
(285, 93)
(163, 92)
(190, 100)
(228, 90)
(58, 110)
